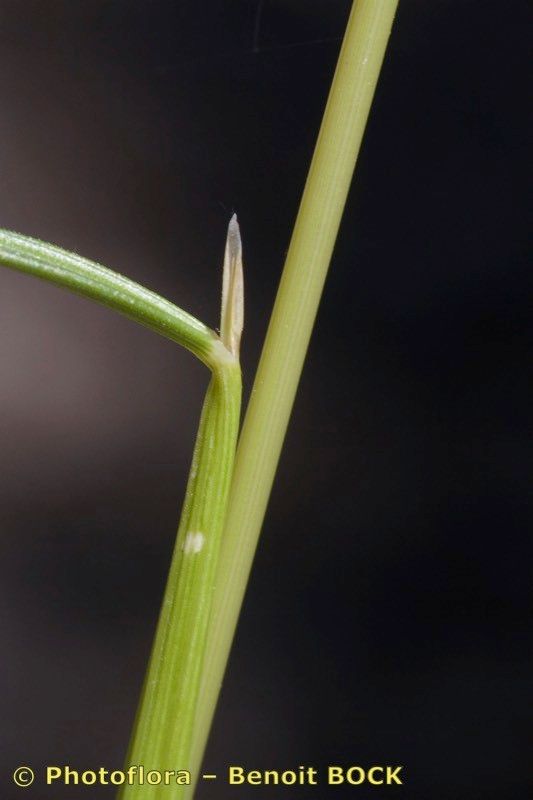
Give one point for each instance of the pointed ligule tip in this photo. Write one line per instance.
(234, 237)
(232, 312)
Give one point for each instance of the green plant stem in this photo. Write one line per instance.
(290, 329)
(164, 727)
(91, 280)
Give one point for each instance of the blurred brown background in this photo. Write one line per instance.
(385, 621)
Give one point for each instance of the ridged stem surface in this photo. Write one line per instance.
(290, 328)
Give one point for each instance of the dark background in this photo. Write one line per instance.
(386, 618)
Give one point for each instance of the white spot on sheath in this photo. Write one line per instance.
(194, 541)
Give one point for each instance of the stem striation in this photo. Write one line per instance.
(290, 328)
(163, 730)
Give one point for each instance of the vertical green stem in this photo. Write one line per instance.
(164, 726)
(290, 329)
